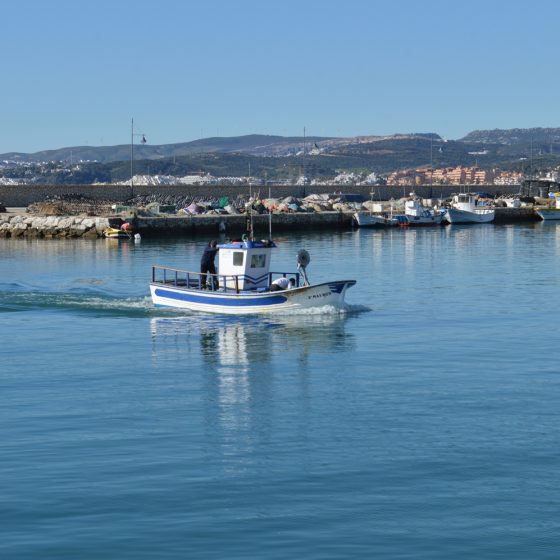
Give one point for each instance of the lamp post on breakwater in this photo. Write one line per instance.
(143, 141)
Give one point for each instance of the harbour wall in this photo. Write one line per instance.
(24, 195)
(236, 225)
(29, 226)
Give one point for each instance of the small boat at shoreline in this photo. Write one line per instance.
(466, 210)
(124, 232)
(244, 284)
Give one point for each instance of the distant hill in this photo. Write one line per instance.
(284, 158)
(254, 143)
(514, 136)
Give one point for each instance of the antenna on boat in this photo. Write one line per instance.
(269, 206)
(303, 259)
(249, 209)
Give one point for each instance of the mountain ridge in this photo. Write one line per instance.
(513, 136)
(279, 146)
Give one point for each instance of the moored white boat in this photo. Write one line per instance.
(244, 284)
(465, 210)
(369, 219)
(417, 215)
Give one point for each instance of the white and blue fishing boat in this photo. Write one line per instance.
(465, 209)
(243, 284)
(416, 215)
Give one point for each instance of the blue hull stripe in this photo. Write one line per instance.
(231, 301)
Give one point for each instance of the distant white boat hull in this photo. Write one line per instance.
(364, 219)
(548, 213)
(428, 219)
(246, 303)
(455, 216)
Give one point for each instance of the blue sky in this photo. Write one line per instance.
(75, 73)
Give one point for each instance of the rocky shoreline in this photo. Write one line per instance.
(50, 227)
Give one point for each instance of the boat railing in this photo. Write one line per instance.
(198, 280)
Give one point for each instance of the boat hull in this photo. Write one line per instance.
(374, 220)
(407, 220)
(113, 233)
(455, 216)
(548, 213)
(329, 293)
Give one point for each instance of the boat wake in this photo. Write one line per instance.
(28, 301)
(324, 310)
(16, 297)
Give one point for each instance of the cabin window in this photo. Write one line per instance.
(238, 258)
(258, 261)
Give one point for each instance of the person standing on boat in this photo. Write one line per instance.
(207, 264)
(282, 283)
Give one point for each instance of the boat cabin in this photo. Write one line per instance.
(413, 208)
(465, 201)
(245, 264)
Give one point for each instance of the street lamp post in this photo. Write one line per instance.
(143, 141)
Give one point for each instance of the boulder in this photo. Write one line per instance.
(32, 232)
(19, 229)
(50, 232)
(90, 234)
(38, 223)
(51, 221)
(77, 230)
(65, 223)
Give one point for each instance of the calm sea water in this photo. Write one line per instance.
(423, 422)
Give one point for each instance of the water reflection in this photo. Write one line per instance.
(248, 341)
(244, 366)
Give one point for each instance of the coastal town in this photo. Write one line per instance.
(500, 158)
(411, 177)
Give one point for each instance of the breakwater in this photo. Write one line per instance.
(30, 226)
(24, 195)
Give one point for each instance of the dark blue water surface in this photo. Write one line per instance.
(423, 422)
